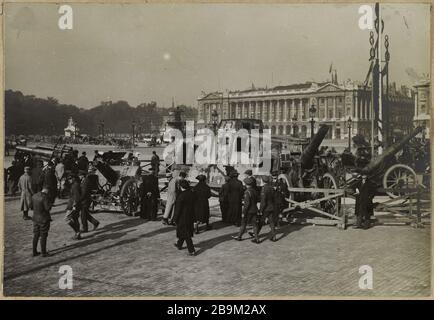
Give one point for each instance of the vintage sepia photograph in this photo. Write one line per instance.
(198, 150)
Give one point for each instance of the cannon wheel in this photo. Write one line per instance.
(329, 182)
(129, 197)
(399, 175)
(288, 184)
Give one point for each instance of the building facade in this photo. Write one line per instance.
(422, 106)
(285, 109)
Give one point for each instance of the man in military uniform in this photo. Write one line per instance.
(41, 221)
(250, 211)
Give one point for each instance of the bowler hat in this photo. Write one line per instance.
(234, 174)
(249, 172)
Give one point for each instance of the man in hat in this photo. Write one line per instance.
(25, 187)
(202, 193)
(50, 182)
(172, 192)
(155, 163)
(268, 207)
(60, 173)
(149, 196)
(74, 206)
(184, 217)
(41, 221)
(223, 199)
(250, 210)
(87, 185)
(235, 198)
(83, 162)
(364, 202)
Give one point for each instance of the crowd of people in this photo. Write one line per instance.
(39, 186)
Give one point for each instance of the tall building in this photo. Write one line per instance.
(286, 109)
(422, 105)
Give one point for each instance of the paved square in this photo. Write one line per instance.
(129, 257)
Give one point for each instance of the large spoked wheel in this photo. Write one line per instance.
(129, 197)
(331, 205)
(399, 176)
(284, 179)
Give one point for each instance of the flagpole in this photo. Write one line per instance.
(380, 87)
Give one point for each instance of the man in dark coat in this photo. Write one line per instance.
(184, 217)
(235, 198)
(74, 206)
(223, 199)
(149, 196)
(41, 221)
(83, 162)
(155, 163)
(86, 189)
(250, 210)
(269, 207)
(364, 203)
(202, 193)
(50, 182)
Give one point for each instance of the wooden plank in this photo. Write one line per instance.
(316, 190)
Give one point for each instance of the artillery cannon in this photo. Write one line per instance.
(385, 169)
(118, 183)
(46, 153)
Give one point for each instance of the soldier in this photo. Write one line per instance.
(149, 197)
(269, 207)
(250, 211)
(223, 199)
(202, 193)
(74, 206)
(41, 221)
(25, 187)
(184, 217)
(235, 197)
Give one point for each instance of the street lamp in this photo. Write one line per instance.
(133, 127)
(215, 117)
(312, 112)
(349, 124)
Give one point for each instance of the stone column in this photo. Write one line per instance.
(334, 108)
(285, 111)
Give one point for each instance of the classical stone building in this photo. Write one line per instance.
(422, 105)
(285, 109)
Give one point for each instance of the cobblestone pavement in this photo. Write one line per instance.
(127, 256)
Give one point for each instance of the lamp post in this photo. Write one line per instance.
(349, 125)
(215, 117)
(133, 127)
(312, 112)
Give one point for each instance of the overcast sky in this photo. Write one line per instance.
(140, 53)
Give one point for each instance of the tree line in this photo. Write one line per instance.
(27, 114)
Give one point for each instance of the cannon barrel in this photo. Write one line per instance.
(43, 153)
(308, 154)
(377, 162)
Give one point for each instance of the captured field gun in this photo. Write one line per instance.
(309, 179)
(118, 183)
(386, 171)
(45, 153)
